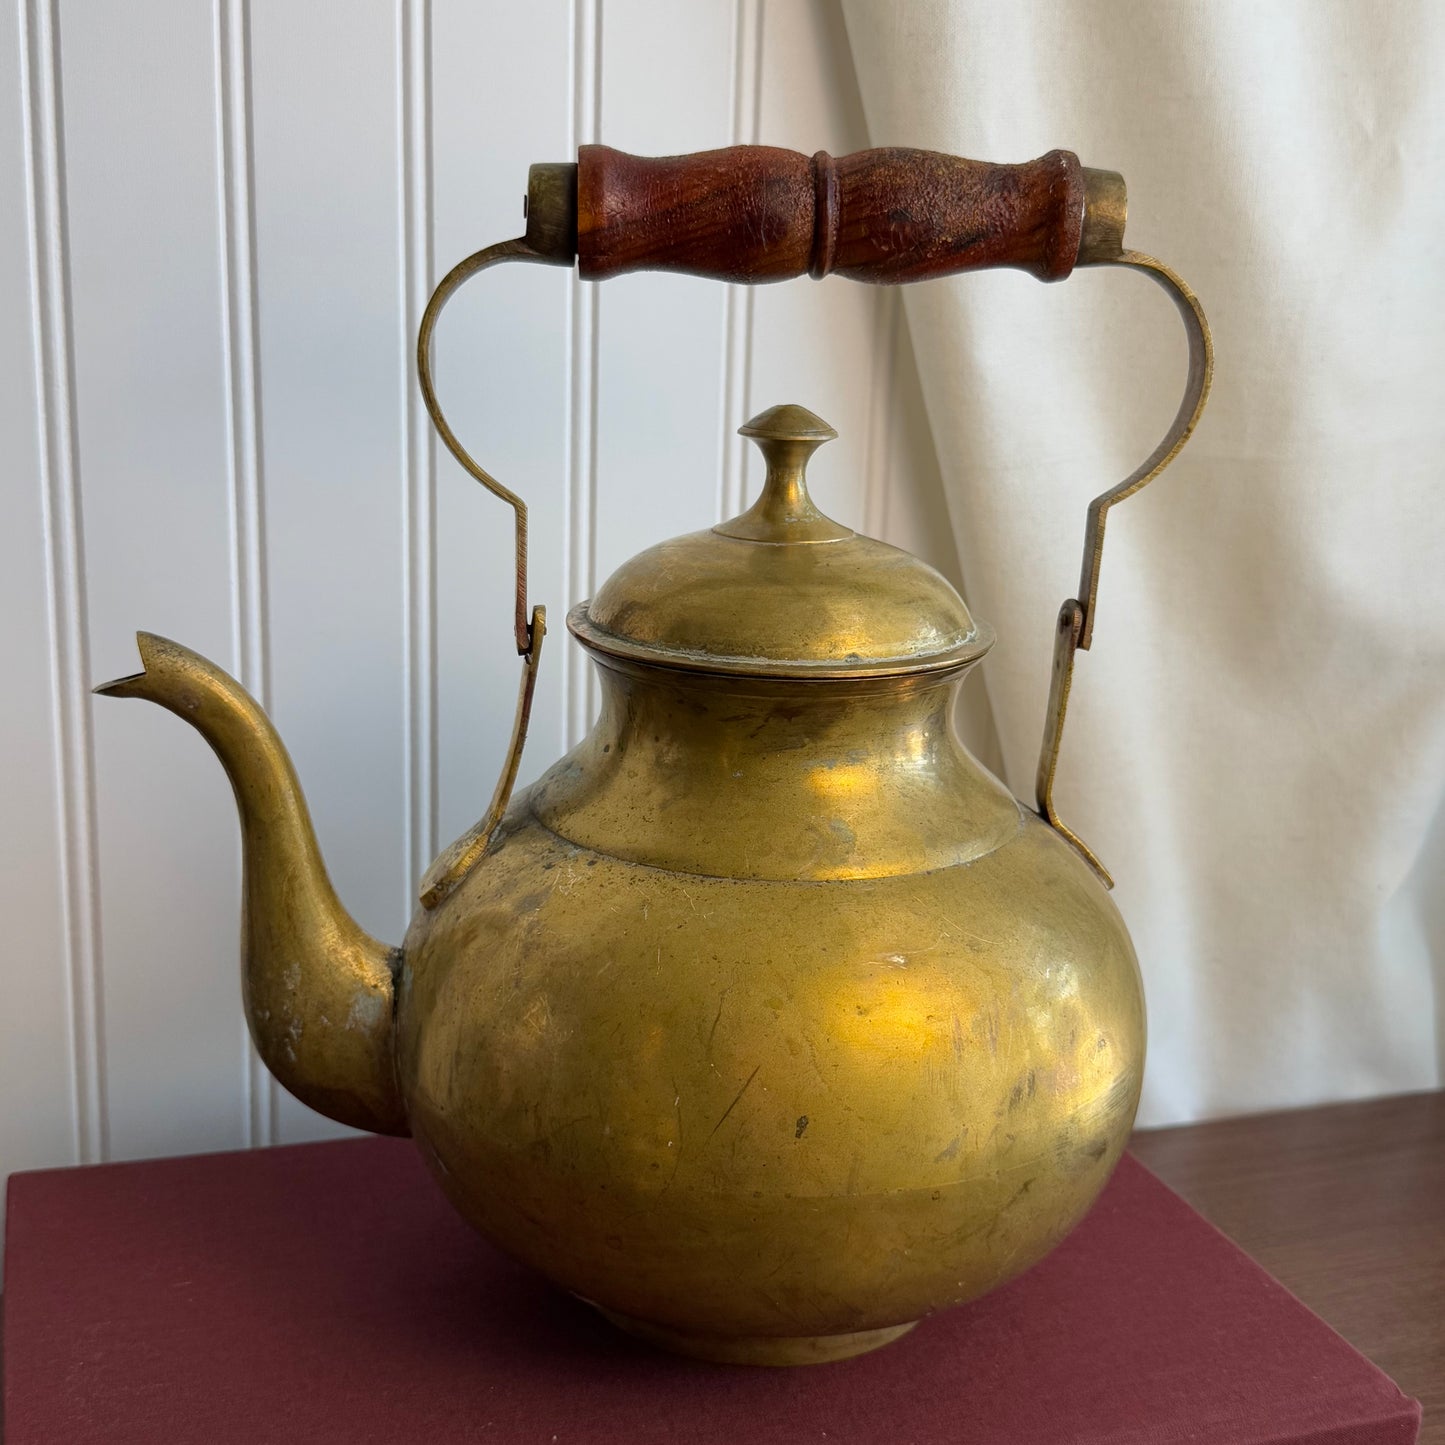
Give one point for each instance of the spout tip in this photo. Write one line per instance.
(147, 643)
(118, 686)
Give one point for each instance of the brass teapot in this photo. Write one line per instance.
(767, 1020)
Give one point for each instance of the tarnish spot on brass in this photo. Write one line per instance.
(366, 1011)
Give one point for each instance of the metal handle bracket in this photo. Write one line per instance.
(457, 860)
(1075, 629)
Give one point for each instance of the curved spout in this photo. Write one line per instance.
(318, 990)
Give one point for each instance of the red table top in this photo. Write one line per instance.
(326, 1293)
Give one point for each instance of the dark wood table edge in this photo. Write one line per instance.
(1344, 1204)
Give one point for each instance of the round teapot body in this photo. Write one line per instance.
(770, 1022)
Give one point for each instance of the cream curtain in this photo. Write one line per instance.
(1256, 746)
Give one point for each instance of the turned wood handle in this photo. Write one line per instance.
(758, 213)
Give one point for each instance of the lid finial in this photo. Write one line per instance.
(787, 436)
(782, 591)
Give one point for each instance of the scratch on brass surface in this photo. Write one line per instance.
(677, 1157)
(722, 999)
(734, 1103)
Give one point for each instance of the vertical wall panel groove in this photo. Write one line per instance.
(738, 307)
(65, 568)
(243, 429)
(418, 450)
(580, 561)
(37, 1036)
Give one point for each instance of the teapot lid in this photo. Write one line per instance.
(782, 590)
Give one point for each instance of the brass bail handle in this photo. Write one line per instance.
(757, 213)
(459, 858)
(1075, 628)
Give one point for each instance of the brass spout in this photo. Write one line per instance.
(319, 991)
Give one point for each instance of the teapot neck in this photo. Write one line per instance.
(758, 778)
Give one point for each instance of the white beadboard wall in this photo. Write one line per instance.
(219, 226)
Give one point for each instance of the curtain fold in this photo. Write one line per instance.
(1256, 741)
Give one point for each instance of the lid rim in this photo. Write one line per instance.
(590, 634)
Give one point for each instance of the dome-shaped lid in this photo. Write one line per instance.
(782, 590)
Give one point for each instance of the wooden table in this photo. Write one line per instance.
(1345, 1205)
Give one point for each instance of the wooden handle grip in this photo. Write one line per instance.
(758, 213)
